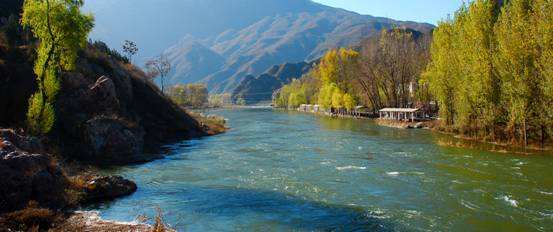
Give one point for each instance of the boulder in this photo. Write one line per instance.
(103, 94)
(112, 140)
(28, 177)
(30, 144)
(108, 187)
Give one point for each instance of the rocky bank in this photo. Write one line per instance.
(107, 113)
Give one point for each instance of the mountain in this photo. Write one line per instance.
(156, 25)
(254, 90)
(222, 42)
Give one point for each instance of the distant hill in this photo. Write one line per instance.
(254, 90)
(222, 42)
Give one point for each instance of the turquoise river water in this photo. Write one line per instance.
(287, 171)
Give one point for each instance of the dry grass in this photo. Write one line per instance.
(213, 124)
(32, 218)
(160, 225)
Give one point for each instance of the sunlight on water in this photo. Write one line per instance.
(281, 171)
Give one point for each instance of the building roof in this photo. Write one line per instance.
(402, 110)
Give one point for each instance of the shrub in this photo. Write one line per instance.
(103, 48)
(31, 218)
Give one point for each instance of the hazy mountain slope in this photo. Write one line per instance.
(192, 60)
(156, 25)
(256, 89)
(284, 38)
(221, 42)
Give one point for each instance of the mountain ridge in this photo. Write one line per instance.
(250, 36)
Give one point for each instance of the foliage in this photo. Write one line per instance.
(491, 70)
(382, 74)
(158, 67)
(300, 91)
(391, 66)
(103, 48)
(190, 95)
(61, 30)
(220, 100)
(130, 49)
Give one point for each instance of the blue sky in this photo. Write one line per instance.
(430, 11)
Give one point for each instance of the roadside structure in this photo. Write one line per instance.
(400, 114)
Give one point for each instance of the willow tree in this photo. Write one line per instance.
(491, 70)
(542, 18)
(525, 46)
(61, 30)
(442, 72)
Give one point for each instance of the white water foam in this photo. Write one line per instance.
(392, 173)
(350, 168)
(545, 193)
(510, 200)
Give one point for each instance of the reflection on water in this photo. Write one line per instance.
(282, 171)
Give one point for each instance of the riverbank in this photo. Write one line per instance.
(405, 125)
(462, 141)
(91, 221)
(505, 147)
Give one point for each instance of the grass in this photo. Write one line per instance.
(213, 124)
(32, 218)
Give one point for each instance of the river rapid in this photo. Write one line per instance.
(288, 171)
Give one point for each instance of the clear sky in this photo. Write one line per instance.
(429, 11)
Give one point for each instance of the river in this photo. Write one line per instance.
(288, 171)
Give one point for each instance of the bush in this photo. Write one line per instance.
(31, 218)
(103, 48)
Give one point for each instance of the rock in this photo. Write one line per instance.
(108, 187)
(102, 86)
(103, 94)
(112, 140)
(26, 177)
(31, 144)
(91, 221)
(419, 125)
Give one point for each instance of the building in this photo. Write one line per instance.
(400, 114)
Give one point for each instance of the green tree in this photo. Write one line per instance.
(130, 49)
(190, 95)
(441, 74)
(62, 30)
(518, 62)
(349, 101)
(491, 70)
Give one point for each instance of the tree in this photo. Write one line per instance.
(130, 49)
(158, 67)
(220, 100)
(491, 70)
(190, 95)
(390, 67)
(517, 61)
(441, 74)
(62, 30)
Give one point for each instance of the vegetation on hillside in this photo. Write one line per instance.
(383, 73)
(220, 100)
(61, 30)
(491, 71)
(190, 95)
